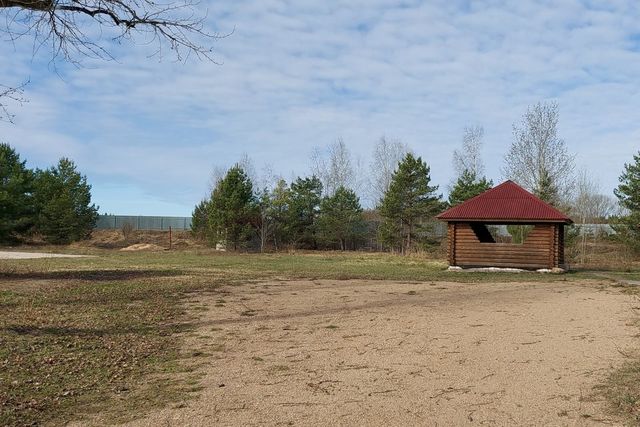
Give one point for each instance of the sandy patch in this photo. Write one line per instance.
(143, 247)
(380, 353)
(32, 255)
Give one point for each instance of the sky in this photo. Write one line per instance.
(295, 75)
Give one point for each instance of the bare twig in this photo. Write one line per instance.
(11, 94)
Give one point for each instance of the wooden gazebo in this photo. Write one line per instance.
(471, 244)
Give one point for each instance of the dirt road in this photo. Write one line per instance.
(381, 353)
(33, 255)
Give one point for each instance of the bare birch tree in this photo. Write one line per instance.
(469, 158)
(589, 206)
(334, 167)
(538, 159)
(387, 154)
(217, 174)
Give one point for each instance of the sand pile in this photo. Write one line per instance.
(143, 247)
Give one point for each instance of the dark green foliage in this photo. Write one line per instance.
(467, 186)
(546, 190)
(16, 203)
(341, 219)
(63, 204)
(232, 210)
(628, 193)
(304, 206)
(408, 204)
(200, 220)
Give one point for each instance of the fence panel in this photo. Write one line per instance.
(116, 222)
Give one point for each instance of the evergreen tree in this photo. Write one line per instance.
(341, 219)
(200, 220)
(468, 186)
(279, 213)
(16, 203)
(63, 204)
(232, 209)
(304, 206)
(628, 193)
(408, 202)
(546, 190)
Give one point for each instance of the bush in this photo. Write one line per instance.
(127, 230)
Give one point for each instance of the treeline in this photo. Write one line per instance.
(301, 214)
(52, 204)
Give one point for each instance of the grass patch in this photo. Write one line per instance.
(622, 387)
(78, 344)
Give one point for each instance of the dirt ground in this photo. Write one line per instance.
(382, 353)
(34, 255)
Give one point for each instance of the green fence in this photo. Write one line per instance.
(116, 222)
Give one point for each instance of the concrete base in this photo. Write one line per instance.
(505, 270)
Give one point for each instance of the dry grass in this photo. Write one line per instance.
(622, 388)
(85, 343)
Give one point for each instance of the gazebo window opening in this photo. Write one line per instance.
(501, 233)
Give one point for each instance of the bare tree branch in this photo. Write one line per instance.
(386, 156)
(11, 94)
(336, 168)
(60, 23)
(469, 158)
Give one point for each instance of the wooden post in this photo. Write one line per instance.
(561, 245)
(451, 243)
(170, 243)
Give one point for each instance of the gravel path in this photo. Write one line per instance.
(382, 353)
(32, 255)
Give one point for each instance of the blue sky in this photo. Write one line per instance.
(299, 75)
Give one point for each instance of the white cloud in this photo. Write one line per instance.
(299, 74)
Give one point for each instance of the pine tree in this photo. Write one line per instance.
(546, 190)
(468, 186)
(341, 219)
(16, 202)
(200, 220)
(63, 204)
(408, 203)
(304, 206)
(232, 209)
(628, 193)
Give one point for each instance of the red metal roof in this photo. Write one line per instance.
(505, 202)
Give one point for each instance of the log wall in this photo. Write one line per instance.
(543, 248)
